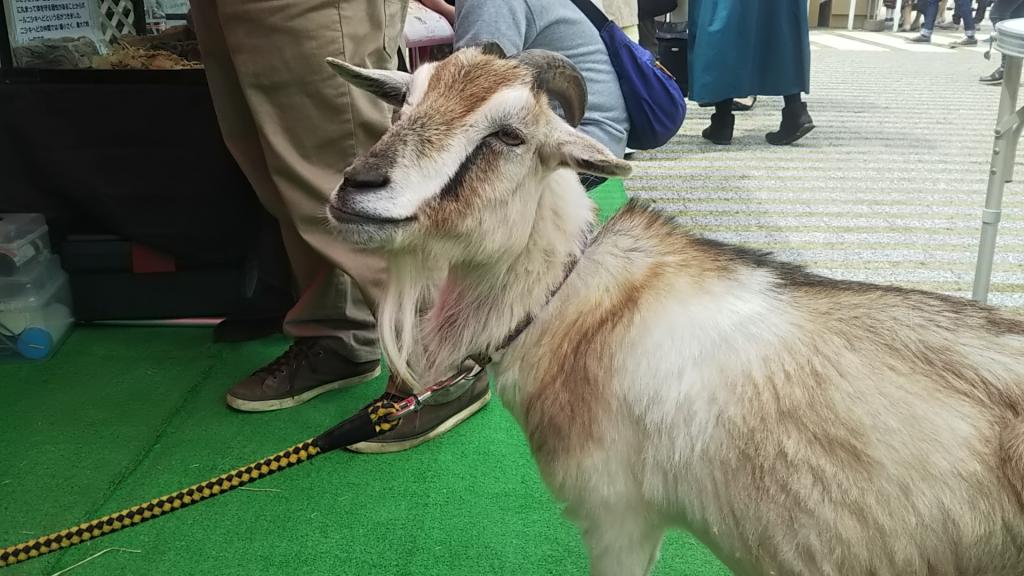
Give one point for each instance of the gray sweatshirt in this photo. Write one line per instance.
(558, 26)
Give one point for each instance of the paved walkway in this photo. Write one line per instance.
(888, 188)
(861, 41)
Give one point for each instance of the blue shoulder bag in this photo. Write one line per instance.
(654, 101)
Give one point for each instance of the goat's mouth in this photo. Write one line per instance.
(343, 216)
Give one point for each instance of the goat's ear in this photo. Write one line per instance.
(573, 149)
(389, 86)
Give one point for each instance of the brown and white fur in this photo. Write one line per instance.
(796, 424)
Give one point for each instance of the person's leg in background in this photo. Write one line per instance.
(909, 19)
(308, 125)
(722, 124)
(1002, 10)
(648, 32)
(796, 122)
(979, 14)
(319, 361)
(951, 24)
(237, 129)
(930, 13)
(890, 12)
(963, 9)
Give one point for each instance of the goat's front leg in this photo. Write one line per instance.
(620, 542)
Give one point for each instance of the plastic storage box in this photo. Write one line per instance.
(23, 238)
(35, 297)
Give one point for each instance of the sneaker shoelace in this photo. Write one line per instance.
(295, 354)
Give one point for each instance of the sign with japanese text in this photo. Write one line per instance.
(39, 19)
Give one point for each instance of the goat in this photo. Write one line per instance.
(795, 424)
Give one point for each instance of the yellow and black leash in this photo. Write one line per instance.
(160, 506)
(378, 418)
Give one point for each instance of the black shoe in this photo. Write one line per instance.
(306, 370)
(796, 123)
(920, 39)
(431, 421)
(720, 130)
(993, 79)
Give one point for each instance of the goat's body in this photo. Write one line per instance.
(797, 425)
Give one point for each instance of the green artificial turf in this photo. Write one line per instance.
(123, 415)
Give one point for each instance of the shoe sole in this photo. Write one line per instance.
(803, 131)
(282, 403)
(391, 447)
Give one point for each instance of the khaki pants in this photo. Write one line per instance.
(293, 127)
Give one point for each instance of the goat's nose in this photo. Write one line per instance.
(356, 179)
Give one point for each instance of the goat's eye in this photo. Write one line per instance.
(510, 136)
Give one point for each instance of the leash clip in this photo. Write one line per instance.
(414, 402)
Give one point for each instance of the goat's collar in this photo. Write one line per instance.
(484, 358)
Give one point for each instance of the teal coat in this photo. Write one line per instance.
(740, 48)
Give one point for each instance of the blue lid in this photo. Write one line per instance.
(35, 343)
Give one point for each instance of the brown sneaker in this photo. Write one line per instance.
(431, 421)
(307, 369)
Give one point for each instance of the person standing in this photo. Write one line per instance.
(962, 9)
(293, 126)
(737, 50)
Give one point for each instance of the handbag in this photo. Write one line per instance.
(654, 101)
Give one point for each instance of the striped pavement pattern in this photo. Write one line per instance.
(888, 188)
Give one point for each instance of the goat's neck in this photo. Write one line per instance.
(479, 305)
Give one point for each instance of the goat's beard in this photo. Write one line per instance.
(410, 290)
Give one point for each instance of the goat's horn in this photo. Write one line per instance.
(559, 78)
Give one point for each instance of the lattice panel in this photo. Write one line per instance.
(117, 18)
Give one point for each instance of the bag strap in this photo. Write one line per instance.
(593, 13)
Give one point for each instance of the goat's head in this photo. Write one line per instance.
(473, 139)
